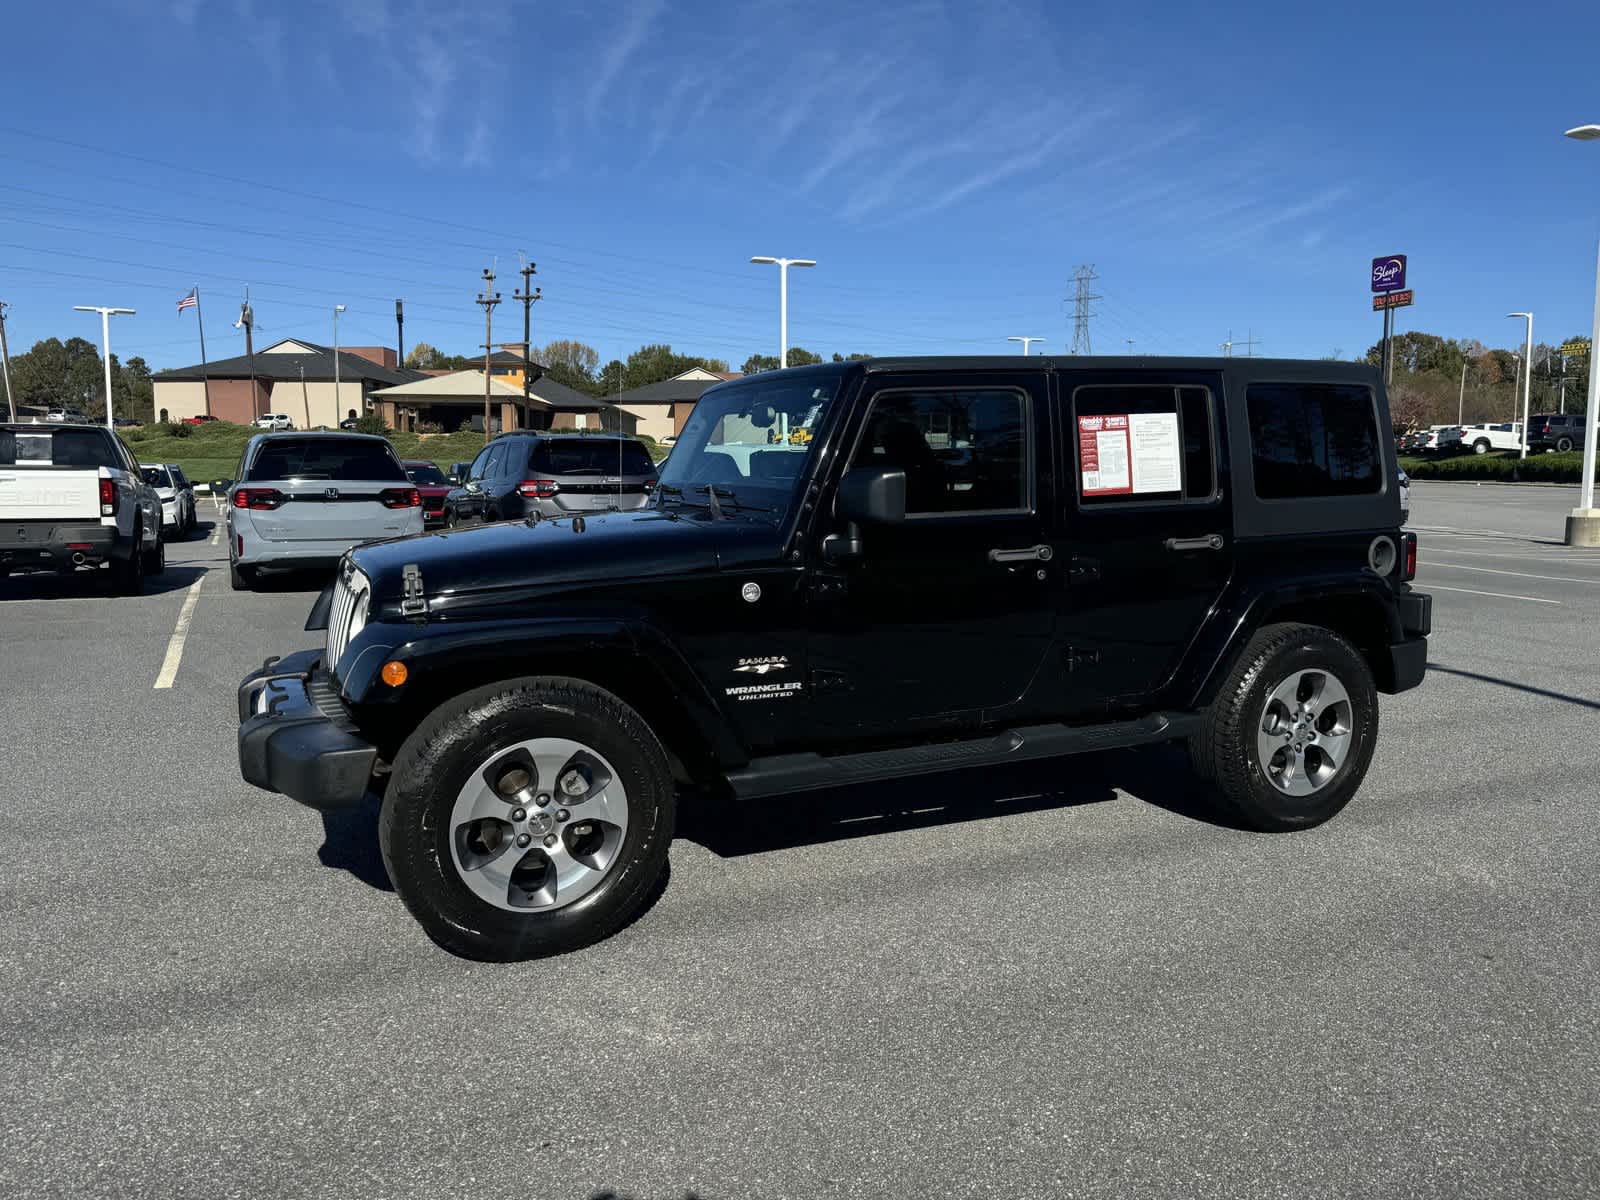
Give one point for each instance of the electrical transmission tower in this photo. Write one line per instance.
(1082, 297)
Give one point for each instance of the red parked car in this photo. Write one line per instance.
(433, 486)
(199, 420)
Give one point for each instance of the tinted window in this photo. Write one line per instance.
(589, 456)
(1313, 439)
(426, 475)
(326, 458)
(62, 447)
(1163, 450)
(962, 451)
(157, 477)
(179, 477)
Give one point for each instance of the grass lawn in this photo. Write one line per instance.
(212, 451)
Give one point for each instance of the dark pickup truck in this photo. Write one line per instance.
(859, 572)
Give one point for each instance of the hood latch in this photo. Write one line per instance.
(413, 602)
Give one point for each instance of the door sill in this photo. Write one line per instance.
(778, 774)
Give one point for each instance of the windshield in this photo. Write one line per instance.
(157, 477)
(750, 442)
(426, 475)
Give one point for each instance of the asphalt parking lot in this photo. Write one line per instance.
(1065, 981)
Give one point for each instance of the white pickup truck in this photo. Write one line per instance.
(72, 497)
(1481, 439)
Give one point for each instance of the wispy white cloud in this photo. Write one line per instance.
(626, 43)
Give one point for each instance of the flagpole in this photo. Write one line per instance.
(205, 374)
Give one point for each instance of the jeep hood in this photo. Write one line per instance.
(509, 560)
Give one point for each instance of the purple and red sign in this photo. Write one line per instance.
(1389, 273)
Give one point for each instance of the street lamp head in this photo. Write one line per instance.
(1519, 316)
(1585, 133)
(802, 262)
(338, 308)
(762, 258)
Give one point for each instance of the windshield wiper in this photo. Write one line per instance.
(715, 490)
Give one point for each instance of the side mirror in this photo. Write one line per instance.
(872, 495)
(453, 480)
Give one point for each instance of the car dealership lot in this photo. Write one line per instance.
(1064, 980)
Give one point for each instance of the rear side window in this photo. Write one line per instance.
(1313, 439)
(57, 447)
(326, 458)
(1143, 442)
(589, 456)
(157, 477)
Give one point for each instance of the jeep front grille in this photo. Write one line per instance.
(349, 593)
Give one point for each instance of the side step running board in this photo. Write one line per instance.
(780, 773)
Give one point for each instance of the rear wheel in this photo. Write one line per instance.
(1290, 735)
(527, 818)
(1563, 444)
(1481, 446)
(155, 558)
(127, 574)
(241, 578)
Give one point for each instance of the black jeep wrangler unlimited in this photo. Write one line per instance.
(852, 572)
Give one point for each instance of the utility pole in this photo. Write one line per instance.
(488, 299)
(400, 333)
(1516, 384)
(5, 360)
(1227, 346)
(527, 295)
(1082, 297)
(1461, 393)
(1026, 342)
(247, 321)
(1250, 343)
(305, 397)
(338, 392)
(1130, 344)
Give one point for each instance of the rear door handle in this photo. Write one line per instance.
(1031, 554)
(1211, 541)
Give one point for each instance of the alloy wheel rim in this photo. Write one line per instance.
(1305, 733)
(538, 825)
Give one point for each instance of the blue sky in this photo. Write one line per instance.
(1226, 168)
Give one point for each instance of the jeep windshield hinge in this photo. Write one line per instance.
(413, 603)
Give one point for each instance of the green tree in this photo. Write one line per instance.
(757, 363)
(54, 373)
(131, 386)
(652, 364)
(572, 363)
(799, 356)
(423, 357)
(612, 378)
(837, 357)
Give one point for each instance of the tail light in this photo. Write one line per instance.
(258, 498)
(400, 498)
(1408, 557)
(649, 486)
(108, 498)
(538, 489)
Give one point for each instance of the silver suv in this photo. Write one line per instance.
(554, 475)
(303, 499)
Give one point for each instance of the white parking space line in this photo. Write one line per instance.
(1439, 587)
(1561, 553)
(216, 532)
(1444, 566)
(180, 634)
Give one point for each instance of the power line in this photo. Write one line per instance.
(1081, 300)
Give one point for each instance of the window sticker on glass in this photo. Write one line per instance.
(1103, 455)
(1157, 452)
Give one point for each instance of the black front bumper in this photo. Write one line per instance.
(295, 738)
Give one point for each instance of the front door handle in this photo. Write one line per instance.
(1031, 554)
(1211, 541)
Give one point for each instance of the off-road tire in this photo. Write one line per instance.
(1225, 753)
(440, 755)
(241, 578)
(127, 574)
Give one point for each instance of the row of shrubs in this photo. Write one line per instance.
(1506, 468)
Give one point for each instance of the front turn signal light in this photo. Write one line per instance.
(394, 673)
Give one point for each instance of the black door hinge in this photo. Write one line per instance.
(1080, 656)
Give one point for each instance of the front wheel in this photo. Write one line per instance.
(527, 818)
(1291, 733)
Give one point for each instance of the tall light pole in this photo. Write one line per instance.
(783, 265)
(105, 344)
(338, 397)
(1527, 381)
(1026, 342)
(1583, 524)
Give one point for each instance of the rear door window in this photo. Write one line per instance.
(326, 458)
(586, 456)
(1143, 443)
(1313, 439)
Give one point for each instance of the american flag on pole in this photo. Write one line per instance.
(189, 301)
